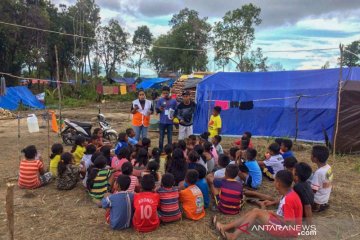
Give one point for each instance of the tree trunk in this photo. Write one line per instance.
(91, 73)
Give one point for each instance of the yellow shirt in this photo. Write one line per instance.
(214, 125)
(54, 165)
(78, 154)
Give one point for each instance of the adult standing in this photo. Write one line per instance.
(166, 107)
(141, 109)
(185, 113)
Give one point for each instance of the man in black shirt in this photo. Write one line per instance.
(185, 113)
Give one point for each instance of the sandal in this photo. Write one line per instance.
(215, 222)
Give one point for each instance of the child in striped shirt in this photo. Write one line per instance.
(31, 173)
(127, 169)
(99, 179)
(169, 210)
(228, 192)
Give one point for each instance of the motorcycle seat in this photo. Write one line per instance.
(83, 124)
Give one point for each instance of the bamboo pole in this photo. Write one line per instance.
(338, 99)
(10, 209)
(58, 86)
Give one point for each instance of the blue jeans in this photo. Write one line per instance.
(140, 131)
(169, 129)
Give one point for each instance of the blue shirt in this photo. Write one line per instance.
(255, 173)
(132, 141)
(287, 154)
(119, 146)
(202, 184)
(121, 209)
(166, 104)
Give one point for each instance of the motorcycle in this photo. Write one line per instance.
(75, 128)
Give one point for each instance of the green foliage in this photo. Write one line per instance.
(112, 46)
(234, 34)
(188, 31)
(349, 59)
(141, 43)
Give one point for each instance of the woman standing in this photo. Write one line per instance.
(141, 110)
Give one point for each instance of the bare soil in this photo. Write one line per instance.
(47, 213)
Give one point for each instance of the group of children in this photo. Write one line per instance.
(141, 187)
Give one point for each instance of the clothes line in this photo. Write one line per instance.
(39, 79)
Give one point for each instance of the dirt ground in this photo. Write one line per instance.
(47, 213)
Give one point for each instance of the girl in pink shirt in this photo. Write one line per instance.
(118, 160)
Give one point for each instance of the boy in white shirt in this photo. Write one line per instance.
(274, 164)
(321, 179)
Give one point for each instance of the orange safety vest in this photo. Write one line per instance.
(142, 116)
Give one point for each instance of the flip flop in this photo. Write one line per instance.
(222, 232)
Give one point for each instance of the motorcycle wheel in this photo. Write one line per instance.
(111, 137)
(68, 137)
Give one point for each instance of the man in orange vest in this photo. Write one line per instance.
(141, 109)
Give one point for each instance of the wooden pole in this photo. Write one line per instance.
(9, 202)
(338, 99)
(18, 136)
(58, 86)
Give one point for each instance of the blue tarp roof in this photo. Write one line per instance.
(274, 95)
(14, 95)
(154, 83)
(127, 81)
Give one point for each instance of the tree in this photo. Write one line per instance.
(112, 46)
(349, 59)
(141, 42)
(326, 65)
(277, 66)
(234, 35)
(188, 31)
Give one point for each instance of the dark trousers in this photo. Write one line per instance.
(169, 129)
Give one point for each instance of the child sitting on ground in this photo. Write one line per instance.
(68, 173)
(120, 204)
(321, 179)
(202, 184)
(209, 157)
(215, 123)
(56, 150)
(161, 160)
(191, 142)
(289, 213)
(232, 154)
(302, 171)
(168, 149)
(216, 141)
(289, 163)
(78, 149)
(98, 137)
(224, 161)
(140, 162)
(192, 198)
(274, 164)
(99, 179)
(127, 169)
(153, 169)
(253, 176)
(118, 161)
(228, 192)
(169, 210)
(146, 204)
(285, 148)
(200, 150)
(131, 136)
(31, 171)
(106, 152)
(193, 158)
(246, 136)
(122, 143)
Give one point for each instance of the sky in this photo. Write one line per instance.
(286, 25)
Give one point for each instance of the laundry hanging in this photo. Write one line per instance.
(248, 105)
(223, 104)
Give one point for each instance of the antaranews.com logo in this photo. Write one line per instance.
(302, 230)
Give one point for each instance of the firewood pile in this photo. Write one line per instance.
(6, 114)
(178, 88)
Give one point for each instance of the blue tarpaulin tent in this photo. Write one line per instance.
(273, 95)
(15, 95)
(155, 83)
(127, 81)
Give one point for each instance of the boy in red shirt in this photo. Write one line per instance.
(286, 222)
(192, 198)
(146, 204)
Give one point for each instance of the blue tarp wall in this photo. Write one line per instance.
(154, 83)
(276, 117)
(14, 95)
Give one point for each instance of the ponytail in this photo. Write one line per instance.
(153, 167)
(92, 173)
(66, 158)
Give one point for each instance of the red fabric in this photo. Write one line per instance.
(173, 96)
(116, 90)
(225, 105)
(99, 89)
(238, 142)
(146, 218)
